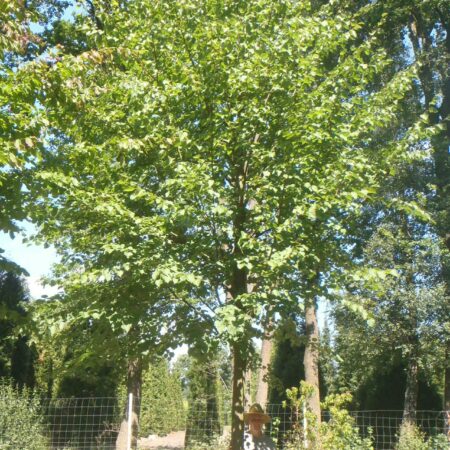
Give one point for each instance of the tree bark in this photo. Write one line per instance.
(248, 388)
(311, 358)
(237, 419)
(411, 392)
(134, 383)
(447, 391)
(262, 391)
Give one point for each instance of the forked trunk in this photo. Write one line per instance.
(411, 392)
(311, 358)
(237, 419)
(134, 382)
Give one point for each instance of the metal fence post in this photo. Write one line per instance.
(130, 420)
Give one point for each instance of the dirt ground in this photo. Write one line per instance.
(173, 441)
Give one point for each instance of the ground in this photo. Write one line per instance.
(173, 441)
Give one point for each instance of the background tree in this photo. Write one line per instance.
(17, 357)
(162, 406)
(420, 31)
(406, 316)
(203, 424)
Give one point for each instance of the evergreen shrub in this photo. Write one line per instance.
(162, 408)
(21, 419)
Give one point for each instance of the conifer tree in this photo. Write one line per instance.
(203, 424)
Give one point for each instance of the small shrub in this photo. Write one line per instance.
(21, 420)
(439, 442)
(339, 433)
(412, 438)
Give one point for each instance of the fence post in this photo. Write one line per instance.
(130, 420)
(305, 427)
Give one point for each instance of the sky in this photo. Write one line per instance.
(35, 259)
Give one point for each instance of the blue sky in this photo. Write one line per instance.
(37, 260)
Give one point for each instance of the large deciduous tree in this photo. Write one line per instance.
(212, 154)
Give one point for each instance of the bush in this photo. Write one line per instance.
(412, 438)
(21, 420)
(339, 433)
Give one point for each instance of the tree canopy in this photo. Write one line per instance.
(201, 166)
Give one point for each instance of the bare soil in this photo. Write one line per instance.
(173, 441)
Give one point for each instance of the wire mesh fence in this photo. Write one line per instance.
(81, 423)
(385, 426)
(98, 424)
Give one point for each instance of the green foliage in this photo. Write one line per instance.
(21, 419)
(73, 361)
(17, 356)
(19, 122)
(339, 432)
(210, 149)
(412, 438)
(95, 419)
(203, 424)
(287, 362)
(162, 407)
(158, 143)
(383, 387)
(408, 312)
(17, 119)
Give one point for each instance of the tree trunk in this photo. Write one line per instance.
(412, 389)
(262, 390)
(237, 419)
(447, 391)
(311, 358)
(248, 388)
(134, 382)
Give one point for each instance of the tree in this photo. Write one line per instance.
(203, 424)
(162, 409)
(13, 38)
(406, 313)
(17, 357)
(420, 31)
(89, 325)
(262, 387)
(19, 122)
(215, 159)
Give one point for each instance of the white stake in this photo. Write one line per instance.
(305, 427)
(130, 420)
